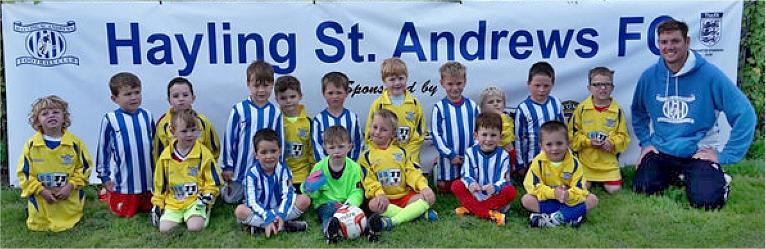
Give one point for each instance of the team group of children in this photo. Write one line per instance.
(277, 162)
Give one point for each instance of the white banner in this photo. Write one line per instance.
(212, 44)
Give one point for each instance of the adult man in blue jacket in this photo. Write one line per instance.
(681, 96)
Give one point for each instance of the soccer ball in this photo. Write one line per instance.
(352, 221)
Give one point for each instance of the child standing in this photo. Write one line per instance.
(599, 132)
(396, 189)
(335, 181)
(493, 100)
(531, 113)
(335, 89)
(483, 189)
(299, 158)
(186, 180)
(181, 97)
(452, 120)
(124, 160)
(270, 200)
(53, 168)
(410, 132)
(556, 193)
(246, 118)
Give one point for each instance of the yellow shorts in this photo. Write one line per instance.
(180, 215)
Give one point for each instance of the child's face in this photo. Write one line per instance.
(487, 138)
(396, 84)
(381, 131)
(267, 153)
(335, 96)
(540, 87)
(493, 104)
(260, 91)
(180, 97)
(601, 87)
(51, 119)
(453, 85)
(289, 100)
(128, 98)
(555, 144)
(337, 150)
(184, 133)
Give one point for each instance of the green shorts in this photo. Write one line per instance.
(180, 215)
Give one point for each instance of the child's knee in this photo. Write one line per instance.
(611, 189)
(242, 212)
(302, 202)
(530, 202)
(375, 203)
(195, 224)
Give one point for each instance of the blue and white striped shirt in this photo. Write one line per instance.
(452, 132)
(269, 195)
(125, 151)
(529, 117)
(324, 120)
(486, 168)
(245, 119)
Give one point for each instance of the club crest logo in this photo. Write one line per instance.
(302, 132)
(710, 28)
(66, 159)
(410, 116)
(46, 44)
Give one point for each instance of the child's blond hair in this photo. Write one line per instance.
(491, 92)
(48, 102)
(452, 68)
(336, 135)
(392, 67)
(188, 116)
(388, 116)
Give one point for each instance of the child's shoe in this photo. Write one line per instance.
(375, 227)
(103, 195)
(461, 211)
(497, 217)
(430, 215)
(387, 223)
(296, 226)
(541, 220)
(332, 235)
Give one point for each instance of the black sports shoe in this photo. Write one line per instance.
(296, 226)
(332, 235)
(375, 224)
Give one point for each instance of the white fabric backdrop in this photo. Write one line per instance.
(308, 40)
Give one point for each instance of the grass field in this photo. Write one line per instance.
(621, 220)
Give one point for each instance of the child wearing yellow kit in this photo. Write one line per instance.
(599, 132)
(396, 189)
(297, 125)
(493, 100)
(53, 168)
(411, 129)
(186, 180)
(181, 97)
(556, 193)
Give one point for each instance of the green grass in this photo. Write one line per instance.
(621, 220)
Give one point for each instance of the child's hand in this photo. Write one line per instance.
(280, 224)
(458, 160)
(109, 186)
(272, 228)
(227, 175)
(382, 202)
(64, 191)
(607, 146)
(489, 188)
(428, 195)
(474, 187)
(48, 196)
(561, 193)
(596, 143)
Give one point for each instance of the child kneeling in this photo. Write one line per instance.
(556, 193)
(270, 200)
